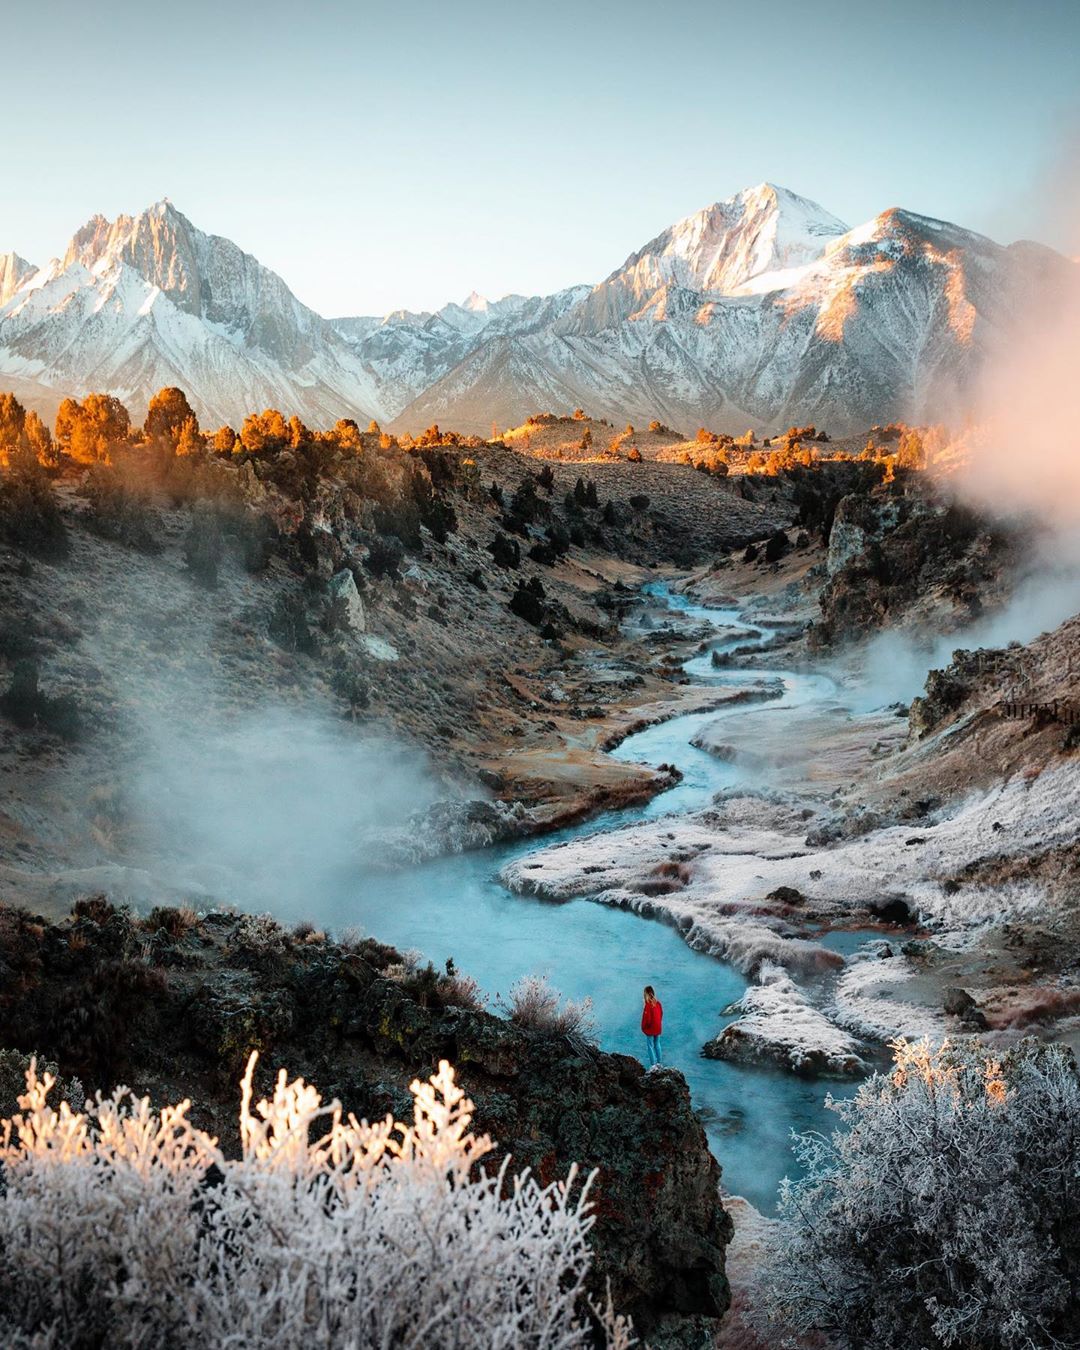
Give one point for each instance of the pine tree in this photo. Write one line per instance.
(189, 442)
(167, 414)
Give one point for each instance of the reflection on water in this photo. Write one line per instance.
(454, 907)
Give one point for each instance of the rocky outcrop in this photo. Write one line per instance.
(896, 555)
(778, 1024)
(173, 1006)
(346, 609)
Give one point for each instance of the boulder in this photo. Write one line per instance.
(346, 609)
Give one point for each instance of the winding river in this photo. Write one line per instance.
(455, 907)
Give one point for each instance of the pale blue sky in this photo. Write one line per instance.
(400, 155)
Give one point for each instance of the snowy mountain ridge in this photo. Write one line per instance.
(755, 311)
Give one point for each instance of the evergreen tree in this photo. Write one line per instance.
(167, 414)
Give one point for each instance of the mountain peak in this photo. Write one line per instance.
(721, 248)
(13, 272)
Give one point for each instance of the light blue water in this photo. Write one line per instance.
(455, 908)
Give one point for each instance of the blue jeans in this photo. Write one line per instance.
(653, 1045)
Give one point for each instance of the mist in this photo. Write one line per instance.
(269, 808)
(1018, 459)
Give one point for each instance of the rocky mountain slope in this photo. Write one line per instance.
(760, 310)
(148, 301)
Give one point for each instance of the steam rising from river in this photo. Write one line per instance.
(1019, 457)
(266, 808)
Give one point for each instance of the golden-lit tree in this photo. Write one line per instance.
(168, 413)
(373, 428)
(346, 433)
(224, 440)
(88, 430)
(910, 454)
(190, 442)
(265, 431)
(40, 440)
(12, 421)
(299, 435)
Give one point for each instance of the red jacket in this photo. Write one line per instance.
(652, 1018)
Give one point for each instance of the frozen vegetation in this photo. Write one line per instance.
(944, 1213)
(121, 1225)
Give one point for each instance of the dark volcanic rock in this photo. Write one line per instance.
(173, 1006)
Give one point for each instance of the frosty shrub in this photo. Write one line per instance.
(536, 1006)
(326, 1231)
(946, 1215)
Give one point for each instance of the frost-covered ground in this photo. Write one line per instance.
(778, 1022)
(741, 882)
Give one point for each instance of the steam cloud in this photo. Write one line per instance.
(267, 809)
(1019, 457)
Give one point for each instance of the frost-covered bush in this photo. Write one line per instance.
(536, 1006)
(121, 1226)
(946, 1215)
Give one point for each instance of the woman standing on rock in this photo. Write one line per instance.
(652, 1021)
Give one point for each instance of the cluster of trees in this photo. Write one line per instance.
(23, 435)
(99, 429)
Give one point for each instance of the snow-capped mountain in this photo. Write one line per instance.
(756, 311)
(150, 300)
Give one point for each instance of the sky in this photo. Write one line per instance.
(382, 157)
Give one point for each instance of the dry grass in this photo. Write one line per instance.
(535, 1006)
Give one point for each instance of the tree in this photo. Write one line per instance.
(910, 453)
(224, 441)
(67, 416)
(40, 440)
(266, 431)
(299, 435)
(167, 414)
(591, 499)
(89, 430)
(12, 422)
(945, 1214)
(346, 433)
(189, 442)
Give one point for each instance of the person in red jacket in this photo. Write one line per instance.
(652, 1022)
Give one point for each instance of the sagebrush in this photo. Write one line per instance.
(946, 1214)
(124, 1226)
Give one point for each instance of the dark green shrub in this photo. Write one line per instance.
(204, 547)
(119, 513)
(384, 556)
(505, 552)
(288, 626)
(30, 519)
(27, 706)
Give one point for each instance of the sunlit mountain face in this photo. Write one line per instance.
(754, 311)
